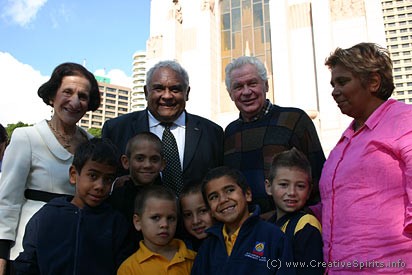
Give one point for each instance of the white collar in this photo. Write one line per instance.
(180, 121)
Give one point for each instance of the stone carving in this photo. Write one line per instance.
(177, 11)
(208, 4)
(344, 9)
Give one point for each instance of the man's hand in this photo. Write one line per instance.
(118, 182)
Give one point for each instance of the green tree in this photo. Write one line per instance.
(95, 132)
(10, 127)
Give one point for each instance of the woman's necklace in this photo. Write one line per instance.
(65, 138)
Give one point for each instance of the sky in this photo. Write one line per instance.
(38, 35)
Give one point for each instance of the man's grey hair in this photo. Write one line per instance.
(239, 62)
(173, 65)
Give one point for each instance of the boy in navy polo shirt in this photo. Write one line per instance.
(240, 242)
(80, 234)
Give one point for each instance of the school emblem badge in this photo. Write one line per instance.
(259, 248)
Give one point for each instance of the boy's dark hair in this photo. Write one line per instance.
(288, 159)
(190, 188)
(144, 136)
(3, 134)
(101, 150)
(223, 171)
(152, 191)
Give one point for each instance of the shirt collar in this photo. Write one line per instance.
(145, 253)
(265, 110)
(232, 237)
(373, 119)
(180, 121)
(377, 115)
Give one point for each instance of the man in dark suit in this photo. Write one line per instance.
(199, 140)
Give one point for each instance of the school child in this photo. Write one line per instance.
(144, 161)
(289, 184)
(80, 234)
(239, 242)
(159, 253)
(196, 215)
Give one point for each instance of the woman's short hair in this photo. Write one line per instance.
(362, 60)
(48, 90)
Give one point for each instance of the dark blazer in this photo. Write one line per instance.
(203, 141)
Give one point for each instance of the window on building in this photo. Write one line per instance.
(235, 3)
(257, 15)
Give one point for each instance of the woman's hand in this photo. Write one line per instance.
(3, 263)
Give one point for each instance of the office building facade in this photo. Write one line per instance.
(397, 17)
(292, 38)
(115, 102)
(138, 101)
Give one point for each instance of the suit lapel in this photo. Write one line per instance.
(192, 137)
(140, 122)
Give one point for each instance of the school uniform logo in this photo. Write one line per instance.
(257, 252)
(259, 248)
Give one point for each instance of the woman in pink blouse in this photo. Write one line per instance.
(366, 183)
